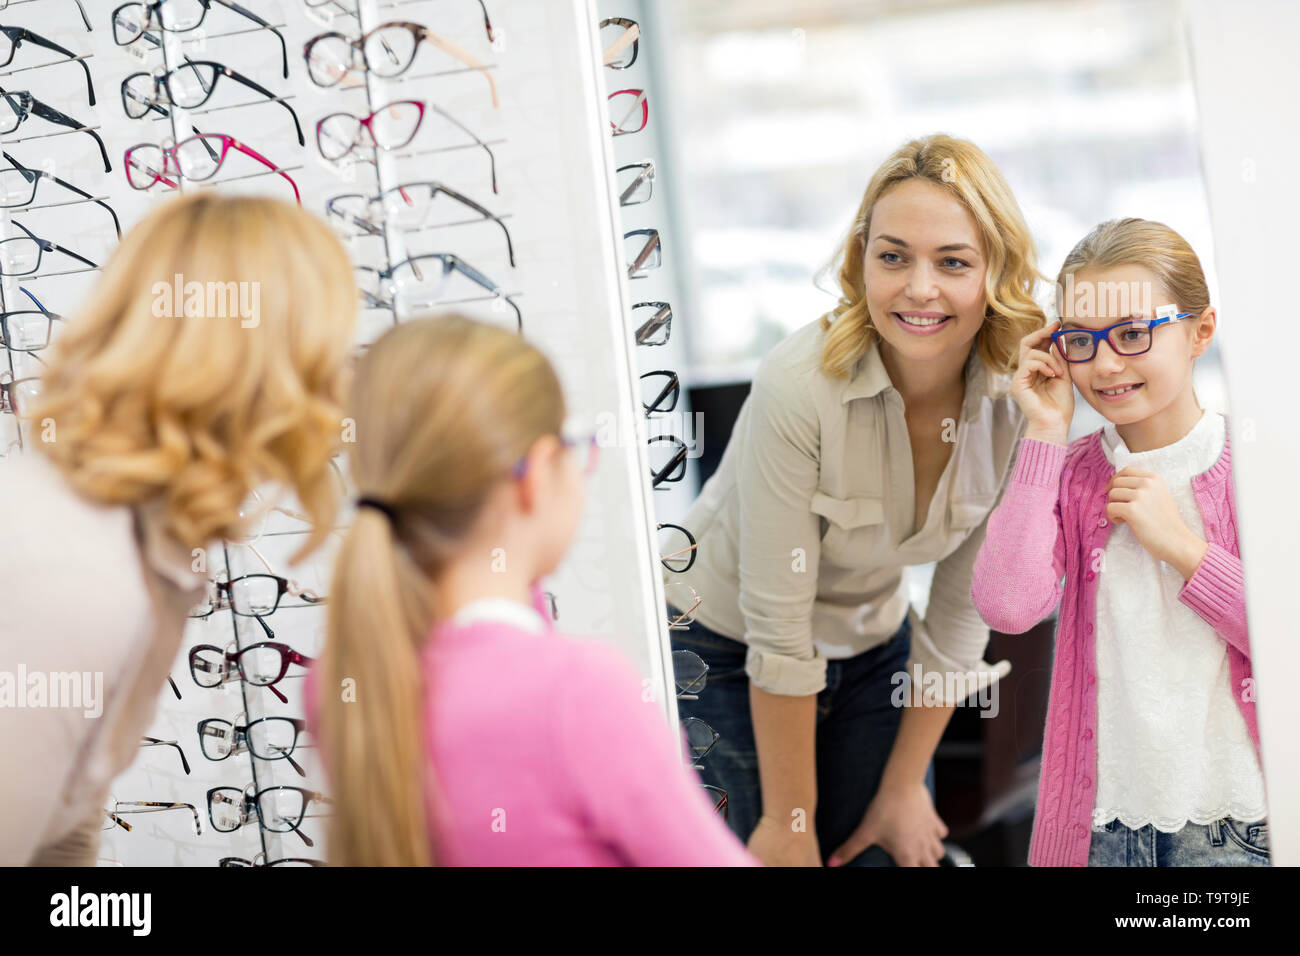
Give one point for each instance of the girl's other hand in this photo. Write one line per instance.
(1141, 499)
(1042, 387)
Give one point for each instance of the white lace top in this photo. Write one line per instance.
(1172, 746)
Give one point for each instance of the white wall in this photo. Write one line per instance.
(1243, 57)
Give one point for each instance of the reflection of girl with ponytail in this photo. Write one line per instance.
(457, 727)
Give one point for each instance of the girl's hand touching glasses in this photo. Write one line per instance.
(1042, 387)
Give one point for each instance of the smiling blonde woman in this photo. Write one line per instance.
(875, 438)
(149, 431)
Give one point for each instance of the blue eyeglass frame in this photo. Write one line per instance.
(521, 466)
(1098, 334)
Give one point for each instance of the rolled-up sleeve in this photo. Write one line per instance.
(948, 647)
(780, 536)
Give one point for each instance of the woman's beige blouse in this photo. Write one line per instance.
(806, 526)
(87, 589)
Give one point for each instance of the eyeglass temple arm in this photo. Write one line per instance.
(245, 12)
(641, 177)
(510, 246)
(240, 78)
(33, 174)
(84, 18)
(473, 274)
(51, 45)
(646, 252)
(625, 40)
(155, 742)
(249, 151)
(652, 324)
(465, 57)
(48, 112)
(492, 160)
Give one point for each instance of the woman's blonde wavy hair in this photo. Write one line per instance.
(200, 409)
(443, 408)
(963, 169)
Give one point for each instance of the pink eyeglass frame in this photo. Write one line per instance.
(172, 165)
(365, 123)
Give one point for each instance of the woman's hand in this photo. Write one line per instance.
(1141, 499)
(902, 821)
(1042, 387)
(778, 844)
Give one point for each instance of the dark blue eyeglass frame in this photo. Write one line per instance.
(1098, 334)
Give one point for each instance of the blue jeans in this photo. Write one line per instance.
(856, 727)
(1225, 842)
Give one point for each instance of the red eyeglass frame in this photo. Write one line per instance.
(365, 123)
(172, 165)
(645, 112)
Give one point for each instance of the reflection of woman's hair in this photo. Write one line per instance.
(202, 408)
(964, 170)
(443, 409)
(1151, 245)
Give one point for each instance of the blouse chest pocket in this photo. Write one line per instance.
(850, 523)
(965, 512)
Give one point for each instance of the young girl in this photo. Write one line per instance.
(1151, 755)
(477, 735)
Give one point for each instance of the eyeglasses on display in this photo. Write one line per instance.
(387, 51)
(410, 206)
(11, 38)
(21, 255)
(277, 809)
(677, 547)
(115, 809)
(629, 111)
(196, 158)
(635, 183)
(618, 37)
(266, 738)
(263, 665)
(17, 105)
(18, 187)
(189, 86)
(653, 321)
(131, 21)
(689, 673)
(421, 282)
(644, 252)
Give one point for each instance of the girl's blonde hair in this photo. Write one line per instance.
(1142, 242)
(963, 169)
(443, 409)
(201, 409)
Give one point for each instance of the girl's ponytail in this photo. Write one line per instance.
(442, 409)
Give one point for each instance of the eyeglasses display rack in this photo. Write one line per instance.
(465, 159)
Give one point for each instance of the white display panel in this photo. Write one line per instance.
(1249, 134)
